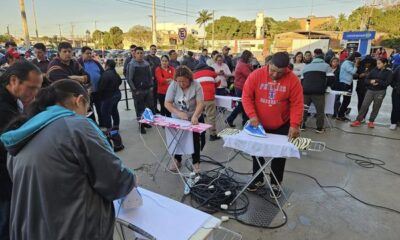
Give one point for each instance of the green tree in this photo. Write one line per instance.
(97, 37)
(204, 17)
(224, 28)
(341, 22)
(139, 35)
(116, 38)
(246, 29)
(191, 42)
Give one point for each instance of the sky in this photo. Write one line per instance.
(82, 14)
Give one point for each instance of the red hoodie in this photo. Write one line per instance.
(274, 103)
(161, 76)
(206, 77)
(242, 71)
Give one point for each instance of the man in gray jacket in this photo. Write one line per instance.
(140, 81)
(314, 81)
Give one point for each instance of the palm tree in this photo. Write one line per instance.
(204, 17)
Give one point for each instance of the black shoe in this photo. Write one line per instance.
(118, 148)
(214, 137)
(142, 129)
(253, 187)
(276, 191)
(343, 119)
(146, 125)
(230, 124)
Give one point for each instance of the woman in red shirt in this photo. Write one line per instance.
(164, 75)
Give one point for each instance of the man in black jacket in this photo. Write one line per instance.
(314, 81)
(154, 62)
(19, 84)
(141, 83)
(129, 59)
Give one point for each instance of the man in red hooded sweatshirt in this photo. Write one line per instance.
(273, 97)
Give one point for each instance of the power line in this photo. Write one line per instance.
(159, 5)
(149, 7)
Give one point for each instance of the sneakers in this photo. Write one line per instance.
(253, 187)
(343, 119)
(371, 125)
(276, 190)
(214, 138)
(303, 127)
(356, 123)
(320, 130)
(393, 126)
(230, 124)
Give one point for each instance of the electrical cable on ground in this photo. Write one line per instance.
(350, 194)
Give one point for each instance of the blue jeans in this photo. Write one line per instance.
(109, 110)
(5, 219)
(238, 109)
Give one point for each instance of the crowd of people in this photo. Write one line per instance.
(71, 106)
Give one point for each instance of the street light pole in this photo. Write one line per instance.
(154, 30)
(24, 23)
(34, 18)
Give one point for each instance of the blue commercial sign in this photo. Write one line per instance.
(359, 35)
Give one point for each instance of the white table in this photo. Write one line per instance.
(272, 146)
(226, 102)
(167, 219)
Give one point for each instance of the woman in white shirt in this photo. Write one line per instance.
(223, 73)
(298, 64)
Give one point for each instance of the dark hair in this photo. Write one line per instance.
(204, 49)
(111, 64)
(190, 53)
(64, 45)
(280, 59)
(219, 56)
(353, 56)
(383, 60)
(20, 69)
(58, 92)
(164, 56)
(332, 59)
(183, 71)
(153, 45)
(171, 52)
(267, 59)
(133, 46)
(10, 43)
(246, 56)
(40, 46)
(307, 52)
(139, 49)
(318, 52)
(297, 54)
(213, 53)
(85, 48)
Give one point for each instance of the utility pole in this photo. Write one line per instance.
(213, 15)
(59, 29)
(72, 34)
(8, 30)
(35, 20)
(24, 23)
(154, 28)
